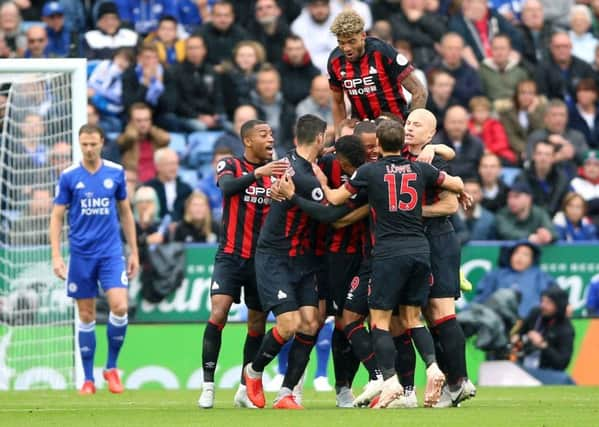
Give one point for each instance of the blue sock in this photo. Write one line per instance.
(283, 356)
(87, 348)
(323, 349)
(115, 330)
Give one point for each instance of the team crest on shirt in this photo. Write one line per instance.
(108, 183)
(72, 287)
(124, 279)
(317, 194)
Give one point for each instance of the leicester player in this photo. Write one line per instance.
(370, 72)
(400, 263)
(95, 194)
(245, 183)
(285, 271)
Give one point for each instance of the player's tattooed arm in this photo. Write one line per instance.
(338, 107)
(417, 89)
(352, 217)
(128, 225)
(56, 223)
(447, 205)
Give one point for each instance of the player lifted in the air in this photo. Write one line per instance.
(95, 194)
(370, 72)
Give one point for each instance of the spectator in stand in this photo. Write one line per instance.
(522, 116)
(501, 73)
(383, 9)
(37, 43)
(584, 42)
(143, 15)
(197, 225)
(63, 41)
(31, 227)
(146, 212)
(382, 30)
(239, 80)
(421, 29)
(468, 148)
(105, 89)
(198, 90)
(587, 184)
(479, 221)
(297, 68)
(109, 35)
(493, 188)
(93, 116)
(193, 13)
(244, 10)
(536, 33)
(558, 76)
(230, 139)
(522, 272)
(521, 219)
(31, 143)
(571, 222)
(270, 29)
(547, 339)
(10, 27)
(557, 12)
(549, 184)
(441, 87)
(61, 155)
(570, 144)
(509, 9)
(403, 47)
(209, 187)
(171, 49)
(221, 33)
(359, 6)
(273, 108)
(140, 141)
(313, 26)
(584, 115)
(478, 25)
(151, 83)
(490, 130)
(171, 190)
(319, 101)
(593, 298)
(467, 81)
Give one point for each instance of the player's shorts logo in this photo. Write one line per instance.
(354, 284)
(108, 183)
(72, 287)
(317, 194)
(124, 279)
(220, 166)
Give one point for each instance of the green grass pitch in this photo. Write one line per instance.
(547, 406)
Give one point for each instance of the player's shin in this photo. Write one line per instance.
(87, 348)
(116, 330)
(210, 349)
(453, 342)
(405, 361)
(362, 347)
(253, 340)
(299, 355)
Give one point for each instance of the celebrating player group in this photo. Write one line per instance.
(361, 233)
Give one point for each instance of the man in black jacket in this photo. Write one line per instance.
(297, 69)
(198, 90)
(270, 29)
(536, 33)
(547, 339)
(549, 184)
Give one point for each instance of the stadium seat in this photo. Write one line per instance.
(200, 147)
(178, 143)
(189, 176)
(508, 175)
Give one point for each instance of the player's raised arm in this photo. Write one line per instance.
(56, 222)
(418, 91)
(128, 224)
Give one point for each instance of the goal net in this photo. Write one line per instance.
(40, 111)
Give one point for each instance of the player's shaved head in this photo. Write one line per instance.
(390, 135)
(420, 127)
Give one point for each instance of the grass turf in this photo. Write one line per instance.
(547, 406)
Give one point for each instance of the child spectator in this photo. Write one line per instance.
(571, 222)
(171, 50)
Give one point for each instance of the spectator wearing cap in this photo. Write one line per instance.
(62, 40)
(297, 69)
(171, 49)
(313, 26)
(270, 29)
(143, 15)
(549, 184)
(571, 222)
(221, 34)
(102, 42)
(37, 42)
(584, 115)
(587, 184)
(521, 219)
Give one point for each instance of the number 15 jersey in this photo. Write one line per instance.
(395, 192)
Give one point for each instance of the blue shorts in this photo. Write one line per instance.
(85, 274)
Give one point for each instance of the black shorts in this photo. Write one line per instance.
(400, 280)
(322, 278)
(231, 273)
(445, 265)
(356, 297)
(286, 283)
(343, 268)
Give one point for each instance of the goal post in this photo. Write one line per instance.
(42, 106)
